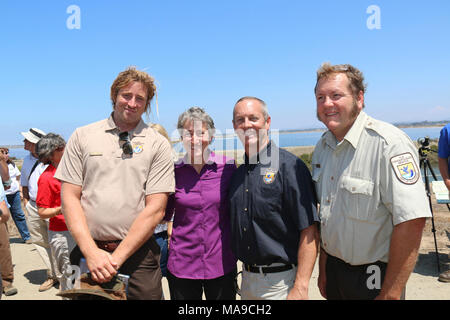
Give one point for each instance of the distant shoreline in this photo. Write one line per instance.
(226, 136)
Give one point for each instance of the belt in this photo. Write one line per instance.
(161, 234)
(256, 269)
(109, 246)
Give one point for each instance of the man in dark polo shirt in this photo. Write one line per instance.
(273, 212)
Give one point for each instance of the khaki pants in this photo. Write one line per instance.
(39, 235)
(61, 244)
(267, 286)
(6, 265)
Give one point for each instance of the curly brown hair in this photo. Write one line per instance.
(129, 75)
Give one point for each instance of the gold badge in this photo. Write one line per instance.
(269, 176)
(138, 148)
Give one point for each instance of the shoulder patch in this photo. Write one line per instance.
(405, 168)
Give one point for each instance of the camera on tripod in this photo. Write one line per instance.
(424, 148)
(424, 142)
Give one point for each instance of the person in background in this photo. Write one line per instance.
(49, 150)
(273, 211)
(4, 171)
(163, 231)
(13, 196)
(31, 171)
(116, 175)
(444, 168)
(6, 266)
(372, 198)
(200, 256)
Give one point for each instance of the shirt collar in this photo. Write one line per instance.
(355, 131)
(353, 135)
(264, 155)
(212, 159)
(138, 131)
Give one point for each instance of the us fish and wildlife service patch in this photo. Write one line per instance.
(269, 176)
(405, 168)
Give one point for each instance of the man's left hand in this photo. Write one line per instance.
(298, 293)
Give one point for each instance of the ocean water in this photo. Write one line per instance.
(311, 138)
(284, 140)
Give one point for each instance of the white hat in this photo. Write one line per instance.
(33, 135)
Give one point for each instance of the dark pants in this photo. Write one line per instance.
(162, 240)
(143, 269)
(348, 282)
(222, 288)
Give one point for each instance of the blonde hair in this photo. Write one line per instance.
(161, 130)
(132, 74)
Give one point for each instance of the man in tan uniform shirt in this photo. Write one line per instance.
(116, 177)
(373, 203)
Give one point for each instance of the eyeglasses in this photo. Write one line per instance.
(127, 148)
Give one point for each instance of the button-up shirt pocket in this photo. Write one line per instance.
(316, 175)
(316, 172)
(356, 196)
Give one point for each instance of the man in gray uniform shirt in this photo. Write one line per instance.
(373, 203)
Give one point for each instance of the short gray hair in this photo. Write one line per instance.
(47, 145)
(264, 109)
(196, 113)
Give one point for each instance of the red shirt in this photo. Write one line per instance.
(49, 196)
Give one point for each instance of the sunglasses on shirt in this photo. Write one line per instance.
(127, 148)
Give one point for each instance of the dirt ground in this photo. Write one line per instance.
(422, 284)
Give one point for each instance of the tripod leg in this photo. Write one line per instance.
(431, 169)
(427, 187)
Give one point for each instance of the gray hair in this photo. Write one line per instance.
(47, 145)
(196, 113)
(264, 109)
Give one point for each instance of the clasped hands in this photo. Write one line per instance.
(102, 265)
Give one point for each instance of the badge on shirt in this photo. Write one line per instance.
(405, 168)
(138, 148)
(269, 176)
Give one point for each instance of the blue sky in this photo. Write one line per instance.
(210, 53)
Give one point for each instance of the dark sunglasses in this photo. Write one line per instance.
(127, 148)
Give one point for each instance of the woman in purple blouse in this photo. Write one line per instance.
(200, 256)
